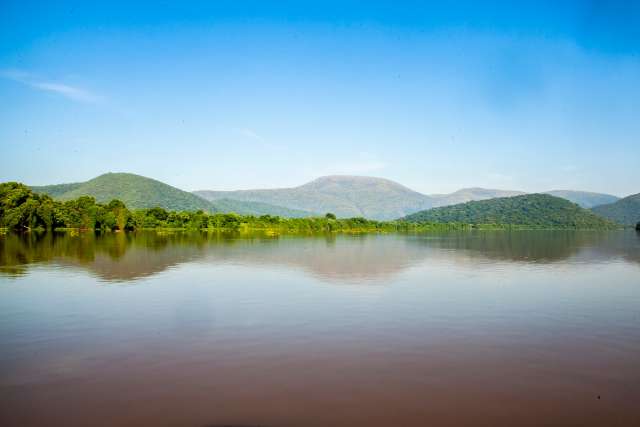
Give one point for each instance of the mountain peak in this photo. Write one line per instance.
(355, 182)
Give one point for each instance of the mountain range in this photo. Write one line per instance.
(377, 198)
(345, 196)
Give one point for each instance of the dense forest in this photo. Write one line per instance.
(22, 209)
(625, 211)
(531, 210)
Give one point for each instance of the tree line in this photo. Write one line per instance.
(22, 209)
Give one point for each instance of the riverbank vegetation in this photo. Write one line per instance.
(22, 210)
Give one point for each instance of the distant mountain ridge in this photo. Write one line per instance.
(585, 199)
(535, 210)
(625, 211)
(375, 198)
(345, 196)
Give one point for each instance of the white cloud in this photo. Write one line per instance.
(70, 92)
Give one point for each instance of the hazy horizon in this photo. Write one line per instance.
(532, 97)
(428, 193)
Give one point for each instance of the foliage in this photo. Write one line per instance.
(533, 210)
(625, 211)
(22, 209)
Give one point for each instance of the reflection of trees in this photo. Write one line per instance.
(127, 256)
(530, 246)
(538, 246)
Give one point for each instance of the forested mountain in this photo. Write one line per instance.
(625, 211)
(585, 199)
(345, 196)
(536, 210)
(135, 191)
(139, 192)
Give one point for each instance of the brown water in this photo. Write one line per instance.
(486, 328)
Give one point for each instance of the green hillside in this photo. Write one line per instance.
(56, 190)
(533, 210)
(136, 192)
(625, 211)
(139, 192)
(258, 208)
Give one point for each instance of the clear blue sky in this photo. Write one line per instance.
(224, 95)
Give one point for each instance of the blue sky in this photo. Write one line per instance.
(225, 95)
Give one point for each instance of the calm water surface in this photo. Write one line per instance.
(486, 328)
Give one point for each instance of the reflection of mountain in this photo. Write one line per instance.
(123, 257)
(348, 258)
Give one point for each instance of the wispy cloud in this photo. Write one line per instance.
(248, 133)
(257, 139)
(67, 91)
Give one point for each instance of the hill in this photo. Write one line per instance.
(625, 211)
(345, 196)
(139, 192)
(135, 191)
(534, 210)
(585, 199)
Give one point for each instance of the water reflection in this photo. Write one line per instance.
(130, 256)
(495, 328)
